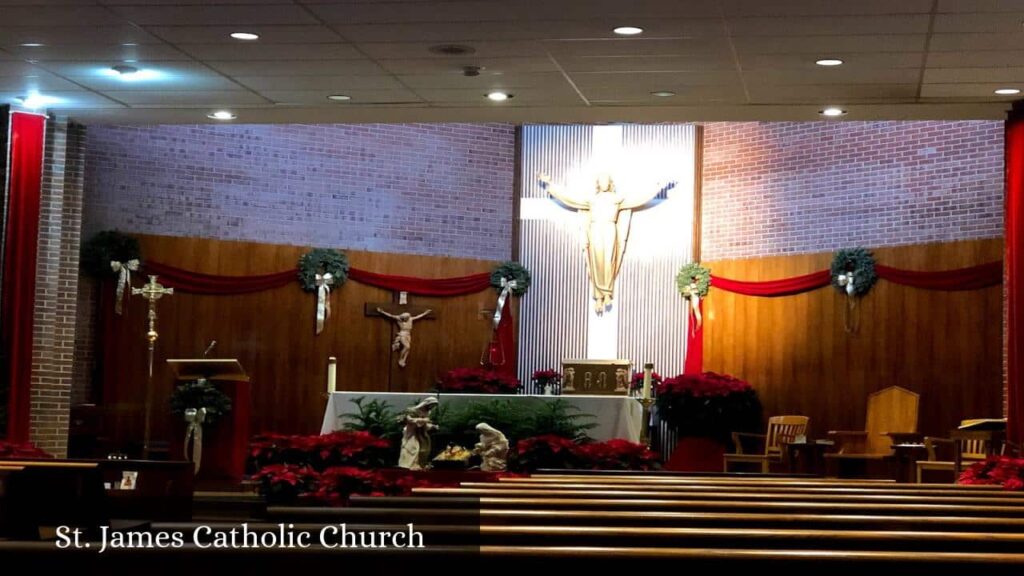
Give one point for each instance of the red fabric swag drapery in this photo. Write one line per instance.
(970, 278)
(27, 142)
(215, 285)
(1015, 275)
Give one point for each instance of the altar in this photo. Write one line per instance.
(615, 416)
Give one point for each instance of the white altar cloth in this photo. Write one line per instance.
(615, 416)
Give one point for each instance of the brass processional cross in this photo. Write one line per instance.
(152, 292)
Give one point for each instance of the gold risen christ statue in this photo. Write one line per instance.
(608, 214)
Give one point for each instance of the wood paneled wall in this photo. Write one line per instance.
(946, 346)
(272, 333)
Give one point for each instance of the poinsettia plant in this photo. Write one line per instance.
(320, 451)
(557, 452)
(286, 483)
(1005, 471)
(708, 405)
(478, 381)
(637, 382)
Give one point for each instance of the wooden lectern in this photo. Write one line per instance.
(226, 442)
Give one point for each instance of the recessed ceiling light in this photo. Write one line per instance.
(221, 115)
(1008, 91)
(663, 93)
(124, 69)
(31, 45)
(829, 62)
(245, 36)
(832, 112)
(628, 30)
(129, 44)
(339, 97)
(498, 96)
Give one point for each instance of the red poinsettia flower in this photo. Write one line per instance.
(478, 380)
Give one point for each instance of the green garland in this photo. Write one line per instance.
(106, 247)
(322, 261)
(861, 262)
(693, 273)
(200, 394)
(512, 271)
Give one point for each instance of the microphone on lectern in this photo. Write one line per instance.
(209, 348)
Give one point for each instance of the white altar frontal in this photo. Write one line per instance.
(615, 416)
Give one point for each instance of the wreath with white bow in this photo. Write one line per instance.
(112, 253)
(508, 278)
(693, 282)
(320, 271)
(853, 271)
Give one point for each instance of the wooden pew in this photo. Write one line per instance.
(521, 517)
(897, 489)
(499, 491)
(720, 482)
(773, 539)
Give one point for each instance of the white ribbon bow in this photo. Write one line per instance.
(124, 279)
(847, 281)
(507, 286)
(694, 299)
(194, 433)
(323, 303)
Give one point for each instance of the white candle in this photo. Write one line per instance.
(648, 369)
(332, 374)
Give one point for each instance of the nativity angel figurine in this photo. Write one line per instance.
(415, 452)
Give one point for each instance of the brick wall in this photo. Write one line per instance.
(789, 187)
(57, 280)
(437, 189)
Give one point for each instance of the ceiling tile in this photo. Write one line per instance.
(195, 98)
(636, 47)
(561, 95)
(991, 41)
(240, 51)
(446, 32)
(483, 82)
(113, 54)
(332, 84)
(36, 82)
(867, 60)
(222, 34)
(319, 97)
(990, 58)
(827, 45)
(721, 61)
(830, 25)
(946, 23)
(14, 35)
(983, 91)
(50, 16)
(642, 95)
(475, 11)
(980, 6)
(1005, 74)
(823, 7)
(419, 66)
(483, 49)
(216, 15)
(822, 75)
(831, 94)
(68, 99)
(296, 67)
(657, 80)
(18, 68)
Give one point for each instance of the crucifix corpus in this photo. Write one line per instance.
(152, 292)
(404, 315)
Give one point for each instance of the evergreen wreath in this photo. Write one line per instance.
(693, 273)
(512, 271)
(322, 261)
(861, 262)
(106, 247)
(200, 394)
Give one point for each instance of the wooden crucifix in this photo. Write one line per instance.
(404, 315)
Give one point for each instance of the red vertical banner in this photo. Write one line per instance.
(694, 363)
(21, 238)
(1014, 288)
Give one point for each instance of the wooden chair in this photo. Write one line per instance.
(891, 419)
(972, 449)
(781, 431)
